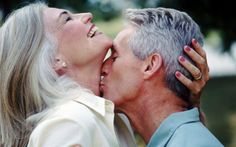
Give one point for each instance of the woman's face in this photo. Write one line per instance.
(79, 41)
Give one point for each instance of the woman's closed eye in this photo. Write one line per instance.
(68, 18)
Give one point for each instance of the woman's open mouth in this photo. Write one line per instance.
(93, 30)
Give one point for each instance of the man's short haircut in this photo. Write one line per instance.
(164, 31)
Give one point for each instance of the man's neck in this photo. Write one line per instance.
(148, 112)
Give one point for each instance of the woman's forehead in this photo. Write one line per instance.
(52, 12)
(51, 17)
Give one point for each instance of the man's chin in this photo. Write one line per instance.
(101, 94)
(105, 96)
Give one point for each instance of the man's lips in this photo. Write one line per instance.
(101, 84)
(101, 87)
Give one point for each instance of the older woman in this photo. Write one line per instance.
(50, 64)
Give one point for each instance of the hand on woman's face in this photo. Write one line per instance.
(79, 41)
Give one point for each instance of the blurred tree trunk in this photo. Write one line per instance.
(52, 2)
(210, 15)
(8, 6)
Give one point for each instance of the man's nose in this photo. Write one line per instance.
(106, 67)
(86, 17)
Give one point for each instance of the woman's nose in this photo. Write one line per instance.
(86, 17)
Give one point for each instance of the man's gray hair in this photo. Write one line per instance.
(164, 31)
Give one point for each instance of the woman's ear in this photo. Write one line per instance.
(152, 64)
(59, 66)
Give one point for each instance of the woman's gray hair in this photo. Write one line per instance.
(29, 86)
(164, 31)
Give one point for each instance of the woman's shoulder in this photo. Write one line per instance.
(70, 111)
(61, 130)
(64, 120)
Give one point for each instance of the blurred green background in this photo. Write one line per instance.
(217, 22)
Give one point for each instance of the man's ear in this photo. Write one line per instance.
(152, 64)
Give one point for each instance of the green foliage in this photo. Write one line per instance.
(210, 15)
(219, 105)
(101, 9)
(111, 27)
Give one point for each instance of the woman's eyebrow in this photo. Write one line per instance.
(62, 13)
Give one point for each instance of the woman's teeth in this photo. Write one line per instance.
(92, 32)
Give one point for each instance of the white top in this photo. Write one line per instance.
(87, 121)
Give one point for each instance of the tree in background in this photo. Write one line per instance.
(211, 15)
(103, 9)
(7, 6)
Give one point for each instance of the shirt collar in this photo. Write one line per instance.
(96, 103)
(170, 124)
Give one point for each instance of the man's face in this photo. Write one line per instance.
(122, 71)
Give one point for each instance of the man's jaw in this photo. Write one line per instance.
(101, 85)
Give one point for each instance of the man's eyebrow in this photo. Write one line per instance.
(113, 48)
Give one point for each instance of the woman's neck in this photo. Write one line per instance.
(86, 77)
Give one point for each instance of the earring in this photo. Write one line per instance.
(64, 65)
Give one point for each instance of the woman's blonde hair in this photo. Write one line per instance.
(28, 83)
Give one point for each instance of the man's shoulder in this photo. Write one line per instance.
(193, 134)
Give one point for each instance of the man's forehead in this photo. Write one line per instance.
(123, 37)
(124, 34)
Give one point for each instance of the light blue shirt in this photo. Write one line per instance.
(183, 129)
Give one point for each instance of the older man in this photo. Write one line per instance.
(138, 78)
